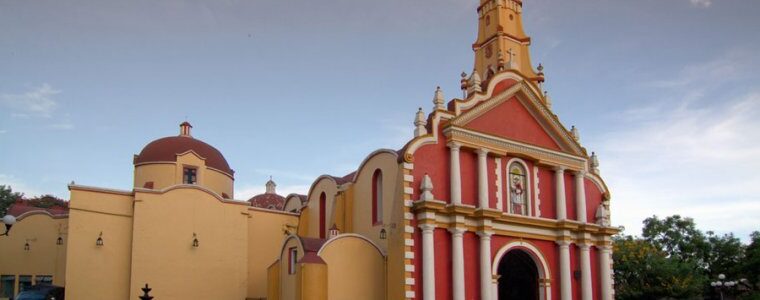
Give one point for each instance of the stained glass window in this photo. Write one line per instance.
(518, 189)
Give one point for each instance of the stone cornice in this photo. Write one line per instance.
(474, 139)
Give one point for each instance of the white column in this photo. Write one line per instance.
(486, 279)
(565, 288)
(559, 181)
(483, 178)
(605, 272)
(586, 290)
(457, 262)
(428, 262)
(580, 196)
(456, 175)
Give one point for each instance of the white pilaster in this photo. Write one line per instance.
(559, 181)
(428, 262)
(486, 278)
(456, 175)
(565, 288)
(580, 196)
(605, 272)
(457, 261)
(499, 188)
(586, 291)
(483, 178)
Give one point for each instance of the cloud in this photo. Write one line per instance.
(699, 162)
(17, 185)
(38, 102)
(62, 126)
(701, 3)
(691, 149)
(2, 131)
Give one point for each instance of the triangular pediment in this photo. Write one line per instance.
(517, 114)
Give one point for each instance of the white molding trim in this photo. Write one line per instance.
(99, 189)
(192, 187)
(499, 185)
(512, 146)
(350, 235)
(370, 157)
(41, 211)
(299, 243)
(537, 191)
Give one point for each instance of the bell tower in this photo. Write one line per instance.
(502, 43)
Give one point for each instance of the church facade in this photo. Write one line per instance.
(493, 198)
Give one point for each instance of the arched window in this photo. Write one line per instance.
(519, 200)
(377, 197)
(322, 210)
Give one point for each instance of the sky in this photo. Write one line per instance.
(665, 91)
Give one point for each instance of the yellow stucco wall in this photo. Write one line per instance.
(292, 203)
(355, 269)
(265, 238)
(167, 174)
(288, 281)
(162, 251)
(44, 256)
(330, 189)
(219, 183)
(162, 175)
(273, 281)
(311, 279)
(362, 202)
(98, 272)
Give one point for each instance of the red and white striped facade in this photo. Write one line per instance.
(461, 220)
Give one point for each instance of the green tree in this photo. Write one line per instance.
(724, 255)
(644, 271)
(678, 237)
(46, 201)
(7, 198)
(750, 267)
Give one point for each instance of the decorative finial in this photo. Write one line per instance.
(473, 86)
(576, 135)
(438, 99)
(540, 69)
(463, 84)
(427, 188)
(420, 123)
(594, 163)
(548, 100)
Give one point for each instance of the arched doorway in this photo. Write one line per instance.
(518, 276)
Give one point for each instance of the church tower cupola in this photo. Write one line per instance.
(271, 186)
(184, 129)
(502, 44)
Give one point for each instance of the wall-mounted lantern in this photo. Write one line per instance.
(59, 241)
(99, 241)
(9, 221)
(383, 234)
(26, 246)
(195, 241)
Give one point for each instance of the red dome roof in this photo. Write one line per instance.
(270, 201)
(166, 149)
